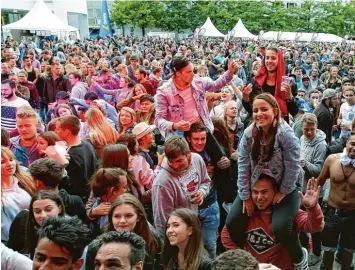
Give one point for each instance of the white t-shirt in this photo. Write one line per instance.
(347, 113)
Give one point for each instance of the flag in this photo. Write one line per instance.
(105, 26)
(8, 117)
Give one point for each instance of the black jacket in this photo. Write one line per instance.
(73, 205)
(325, 120)
(52, 87)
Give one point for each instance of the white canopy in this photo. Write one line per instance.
(211, 30)
(41, 18)
(298, 36)
(241, 32)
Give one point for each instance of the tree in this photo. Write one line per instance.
(178, 16)
(138, 13)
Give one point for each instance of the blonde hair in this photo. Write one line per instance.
(309, 119)
(131, 112)
(228, 104)
(101, 132)
(26, 112)
(70, 68)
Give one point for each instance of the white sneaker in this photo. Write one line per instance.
(314, 259)
(304, 264)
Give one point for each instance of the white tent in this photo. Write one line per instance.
(241, 32)
(211, 30)
(41, 18)
(298, 36)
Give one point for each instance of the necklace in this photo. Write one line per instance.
(346, 177)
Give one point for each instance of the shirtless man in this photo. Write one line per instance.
(340, 213)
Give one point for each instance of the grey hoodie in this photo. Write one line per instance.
(170, 190)
(314, 153)
(79, 90)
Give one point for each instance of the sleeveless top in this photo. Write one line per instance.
(31, 75)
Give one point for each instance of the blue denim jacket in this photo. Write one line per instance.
(284, 164)
(170, 105)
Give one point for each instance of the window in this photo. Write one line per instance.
(91, 13)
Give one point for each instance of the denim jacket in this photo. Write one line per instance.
(170, 105)
(284, 164)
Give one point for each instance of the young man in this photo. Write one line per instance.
(61, 242)
(301, 93)
(259, 238)
(9, 104)
(324, 115)
(33, 73)
(313, 154)
(145, 137)
(125, 250)
(314, 98)
(340, 212)
(24, 146)
(181, 101)
(209, 210)
(54, 83)
(48, 175)
(22, 91)
(183, 182)
(34, 96)
(83, 161)
(79, 88)
(141, 76)
(132, 68)
(306, 85)
(156, 78)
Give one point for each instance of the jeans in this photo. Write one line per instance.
(209, 218)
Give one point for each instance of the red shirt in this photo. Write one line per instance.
(149, 87)
(260, 240)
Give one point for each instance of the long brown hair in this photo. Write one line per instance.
(116, 155)
(142, 227)
(257, 133)
(194, 251)
(221, 133)
(25, 180)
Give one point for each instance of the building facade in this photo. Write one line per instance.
(72, 12)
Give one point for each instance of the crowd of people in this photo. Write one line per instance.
(127, 153)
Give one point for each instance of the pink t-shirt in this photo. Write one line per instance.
(190, 110)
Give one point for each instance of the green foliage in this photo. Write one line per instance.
(331, 16)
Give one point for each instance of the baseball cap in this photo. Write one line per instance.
(329, 93)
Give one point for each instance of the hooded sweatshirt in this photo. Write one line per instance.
(314, 153)
(79, 90)
(170, 189)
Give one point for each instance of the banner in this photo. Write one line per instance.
(105, 25)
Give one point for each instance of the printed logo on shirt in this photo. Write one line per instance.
(260, 241)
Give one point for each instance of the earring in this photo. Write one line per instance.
(274, 123)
